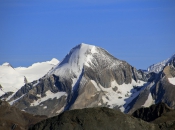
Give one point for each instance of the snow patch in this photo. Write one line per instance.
(116, 95)
(13, 101)
(61, 110)
(99, 104)
(172, 80)
(149, 101)
(95, 85)
(45, 107)
(49, 95)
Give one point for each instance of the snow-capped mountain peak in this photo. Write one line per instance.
(159, 66)
(88, 64)
(84, 55)
(74, 60)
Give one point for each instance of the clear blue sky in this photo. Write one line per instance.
(141, 32)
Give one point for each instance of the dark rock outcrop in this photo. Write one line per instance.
(151, 113)
(164, 90)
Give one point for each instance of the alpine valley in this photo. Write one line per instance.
(87, 77)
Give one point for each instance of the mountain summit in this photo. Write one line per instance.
(81, 57)
(72, 64)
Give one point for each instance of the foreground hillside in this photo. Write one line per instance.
(12, 118)
(161, 116)
(94, 119)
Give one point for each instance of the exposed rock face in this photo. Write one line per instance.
(42, 99)
(13, 119)
(151, 113)
(93, 119)
(164, 90)
(161, 89)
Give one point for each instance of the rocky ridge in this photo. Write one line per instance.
(161, 89)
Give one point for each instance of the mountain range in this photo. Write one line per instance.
(87, 77)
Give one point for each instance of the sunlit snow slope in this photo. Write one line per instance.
(11, 79)
(72, 64)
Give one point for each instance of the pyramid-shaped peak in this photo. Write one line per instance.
(83, 55)
(74, 61)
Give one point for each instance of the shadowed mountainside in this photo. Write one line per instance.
(151, 113)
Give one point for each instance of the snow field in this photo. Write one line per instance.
(117, 97)
(12, 79)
